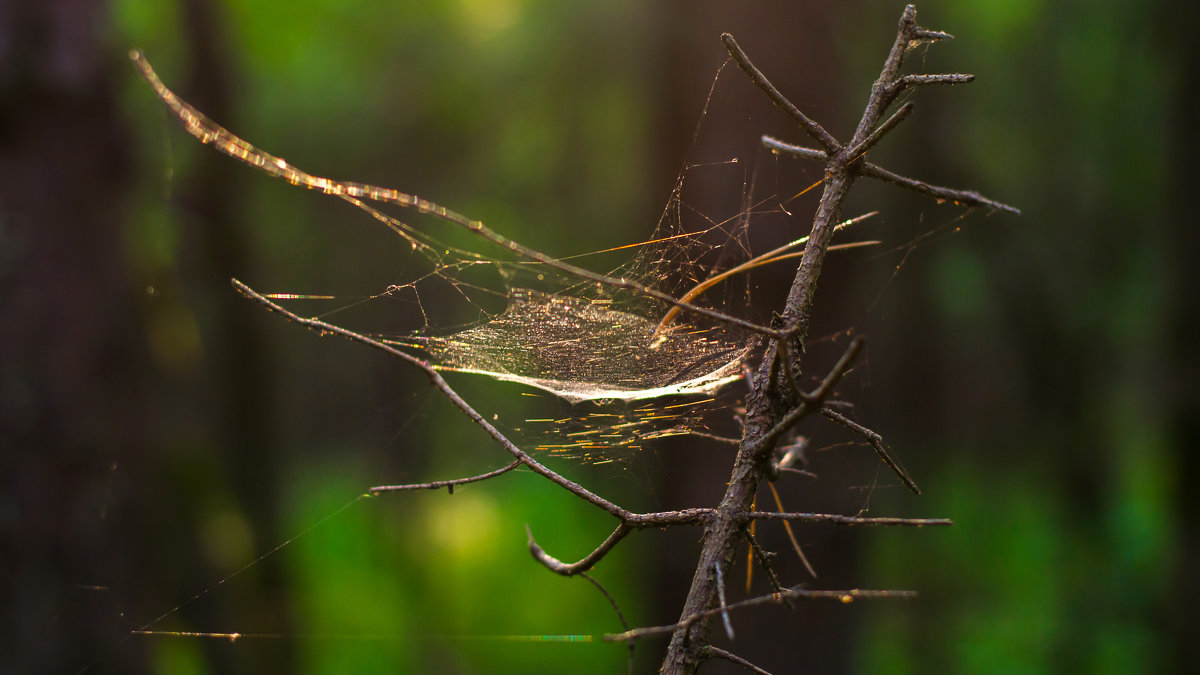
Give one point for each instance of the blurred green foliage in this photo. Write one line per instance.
(1066, 537)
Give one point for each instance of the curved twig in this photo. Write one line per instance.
(571, 569)
(771, 256)
(787, 527)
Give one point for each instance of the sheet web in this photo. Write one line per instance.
(609, 375)
(605, 349)
(588, 341)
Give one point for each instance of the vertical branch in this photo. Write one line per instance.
(771, 400)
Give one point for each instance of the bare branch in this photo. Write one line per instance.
(921, 80)
(448, 484)
(629, 522)
(932, 35)
(699, 516)
(845, 597)
(805, 153)
(570, 569)
(816, 131)
(849, 520)
(439, 383)
(884, 91)
(964, 197)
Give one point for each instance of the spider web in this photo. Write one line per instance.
(496, 309)
(640, 352)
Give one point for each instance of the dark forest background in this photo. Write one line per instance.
(158, 433)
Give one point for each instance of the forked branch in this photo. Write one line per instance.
(776, 402)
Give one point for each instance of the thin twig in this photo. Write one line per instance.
(722, 606)
(922, 80)
(933, 35)
(816, 131)
(616, 608)
(845, 597)
(718, 653)
(876, 442)
(764, 561)
(883, 92)
(807, 153)
(570, 569)
(449, 484)
(964, 197)
(869, 170)
(787, 527)
(882, 130)
(849, 520)
(839, 369)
